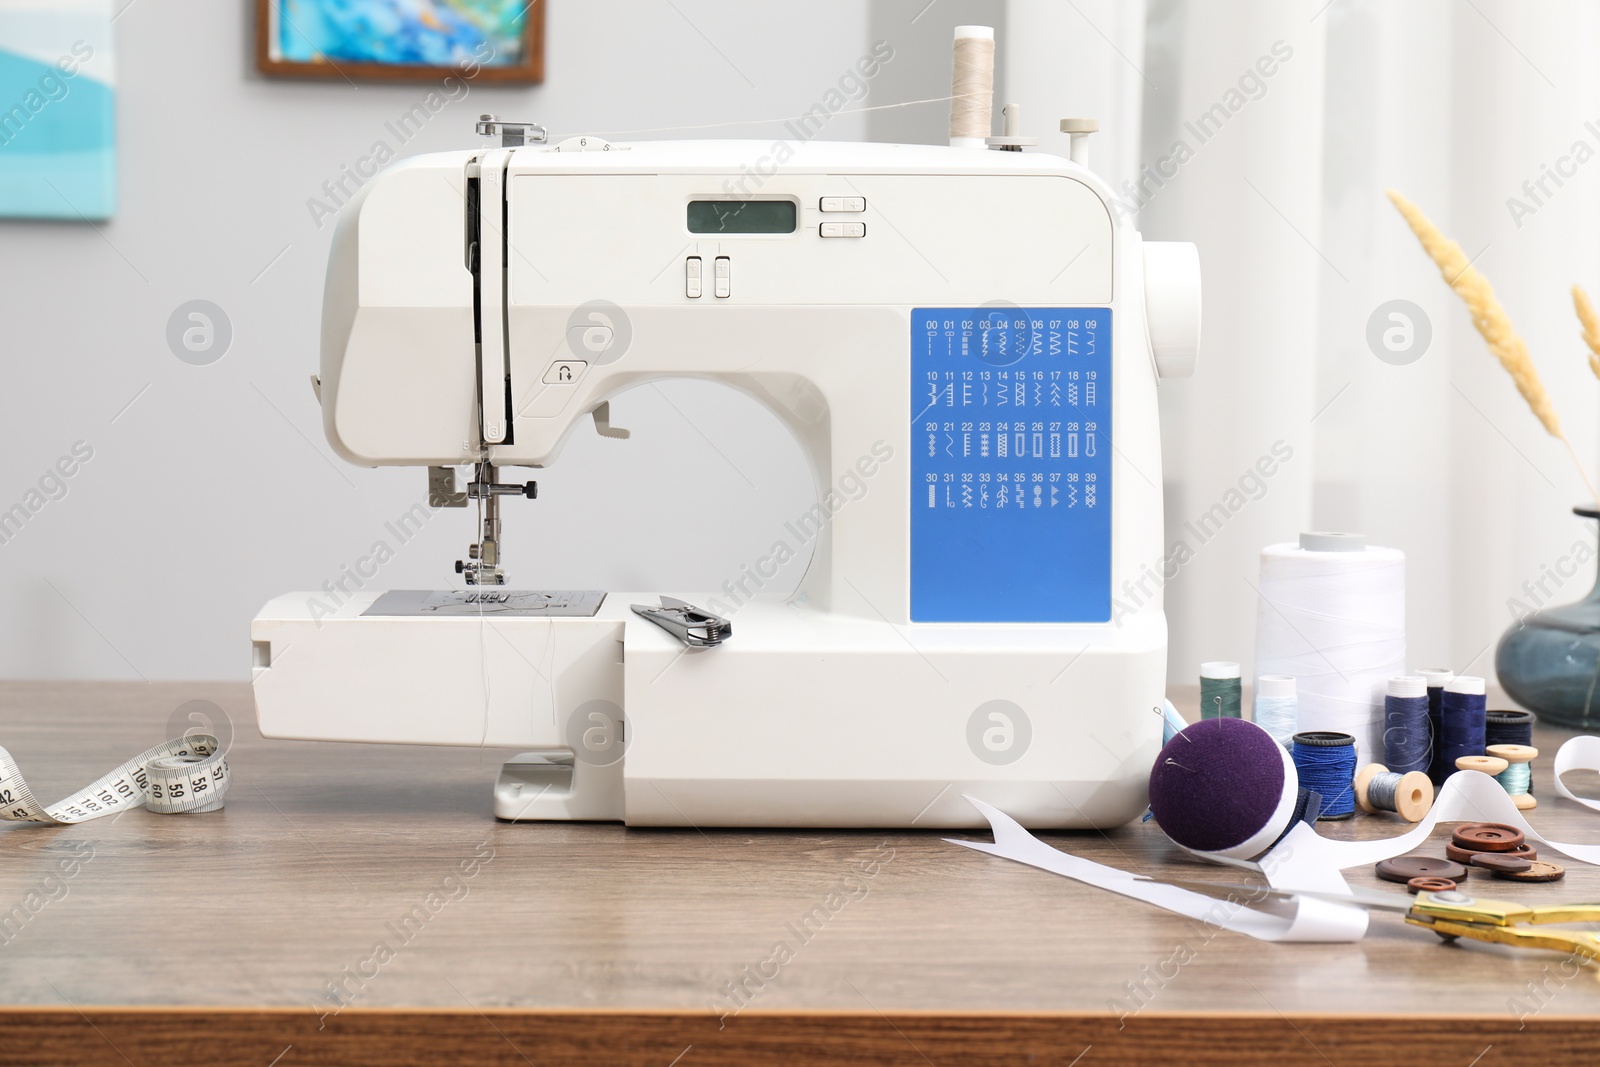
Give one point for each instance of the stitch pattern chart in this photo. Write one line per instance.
(1011, 468)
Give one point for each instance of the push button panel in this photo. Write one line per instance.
(843, 229)
(722, 277)
(691, 278)
(844, 203)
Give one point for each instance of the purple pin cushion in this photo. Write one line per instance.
(1224, 787)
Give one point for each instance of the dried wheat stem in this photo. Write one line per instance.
(1490, 320)
(1591, 326)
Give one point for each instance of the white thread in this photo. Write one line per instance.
(972, 85)
(1407, 685)
(1335, 621)
(186, 774)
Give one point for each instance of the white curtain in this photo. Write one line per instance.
(1296, 115)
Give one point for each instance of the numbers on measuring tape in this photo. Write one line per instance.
(186, 774)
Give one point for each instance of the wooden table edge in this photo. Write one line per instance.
(296, 1037)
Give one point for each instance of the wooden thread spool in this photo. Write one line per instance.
(1490, 765)
(1515, 754)
(1412, 793)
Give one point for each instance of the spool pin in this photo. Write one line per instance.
(1514, 754)
(1413, 794)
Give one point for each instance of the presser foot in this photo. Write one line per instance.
(482, 566)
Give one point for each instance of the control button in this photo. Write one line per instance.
(721, 271)
(691, 277)
(844, 203)
(565, 372)
(843, 229)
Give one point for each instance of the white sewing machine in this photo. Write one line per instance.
(974, 335)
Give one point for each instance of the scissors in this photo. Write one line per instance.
(1450, 914)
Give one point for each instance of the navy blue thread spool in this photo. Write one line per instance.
(1463, 708)
(1509, 728)
(1437, 678)
(1326, 763)
(1407, 734)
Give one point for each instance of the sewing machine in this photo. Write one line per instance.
(966, 345)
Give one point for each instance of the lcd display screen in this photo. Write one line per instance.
(741, 216)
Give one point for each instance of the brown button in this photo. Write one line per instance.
(1464, 855)
(1536, 872)
(1404, 868)
(1486, 837)
(1501, 862)
(1430, 885)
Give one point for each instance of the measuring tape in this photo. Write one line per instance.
(185, 774)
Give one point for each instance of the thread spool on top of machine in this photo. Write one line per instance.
(972, 87)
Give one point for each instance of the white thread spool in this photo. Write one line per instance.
(1332, 615)
(972, 87)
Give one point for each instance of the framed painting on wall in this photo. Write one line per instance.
(57, 110)
(402, 40)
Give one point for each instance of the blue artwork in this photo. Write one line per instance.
(402, 32)
(57, 110)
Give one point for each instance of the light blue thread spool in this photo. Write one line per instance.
(1171, 722)
(1276, 706)
(1517, 778)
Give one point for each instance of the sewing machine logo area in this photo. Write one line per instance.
(598, 332)
(974, 581)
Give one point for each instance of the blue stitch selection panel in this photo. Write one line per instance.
(1011, 464)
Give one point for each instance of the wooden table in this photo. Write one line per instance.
(596, 944)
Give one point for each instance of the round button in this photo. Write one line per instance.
(1404, 868)
(1487, 837)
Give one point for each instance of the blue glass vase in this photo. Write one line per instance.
(1549, 661)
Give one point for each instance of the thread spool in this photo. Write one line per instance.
(1276, 707)
(972, 87)
(1171, 721)
(1407, 736)
(1223, 788)
(1517, 778)
(1462, 709)
(1437, 678)
(1326, 763)
(1408, 795)
(1331, 614)
(1506, 727)
(1490, 765)
(1221, 691)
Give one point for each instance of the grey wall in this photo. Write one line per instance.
(211, 488)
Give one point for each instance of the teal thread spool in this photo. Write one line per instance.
(1221, 691)
(1517, 778)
